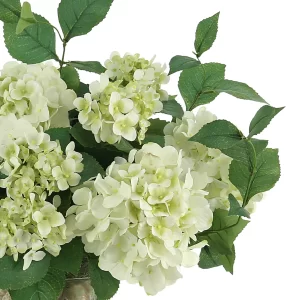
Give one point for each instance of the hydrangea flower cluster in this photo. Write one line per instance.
(127, 95)
(35, 93)
(33, 167)
(210, 166)
(139, 218)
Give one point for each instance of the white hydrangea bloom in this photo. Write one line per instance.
(210, 166)
(28, 159)
(140, 217)
(126, 96)
(35, 93)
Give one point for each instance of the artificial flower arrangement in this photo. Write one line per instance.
(89, 178)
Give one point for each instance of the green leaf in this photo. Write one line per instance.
(195, 84)
(155, 133)
(78, 17)
(91, 168)
(179, 63)
(154, 138)
(10, 11)
(262, 119)
(15, 278)
(251, 182)
(104, 284)
(210, 258)
(34, 45)
(172, 108)
(60, 134)
(89, 66)
(206, 34)
(66, 197)
(83, 89)
(70, 76)
(48, 288)
(259, 145)
(27, 18)
(242, 151)
(236, 209)
(237, 89)
(83, 137)
(228, 260)
(219, 134)
(223, 232)
(124, 146)
(70, 257)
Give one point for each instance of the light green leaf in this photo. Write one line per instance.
(78, 17)
(223, 232)
(60, 134)
(124, 146)
(219, 134)
(91, 168)
(261, 179)
(206, 34)
(48, 288)
(27, 18)
(10, 11)
(262, 119)
(195, 84)
(179, 63)
(104, 284)
(172, 108)
(70, 257)
(236, 209)
(34, 45)
(15, 278)
(210, 258)
(70, 76)
(237, 89)
(89, 66)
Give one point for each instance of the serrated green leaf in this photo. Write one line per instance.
(34, 45)
(219, 134)
(89, 66)
(123, 146)
(206, 34)
(26, 19)
(70, 257)
(195, 84)
(104, 284)
(83, 89)
(172, 108)
(83, 137)
(262, 119)
(210, 258)
(48, 288)
(91, 168)
(237, 89)
(77, 17)
(179, 63)
(251, 182)
(70, 76)
(259, 145)
(10, 11)
(60, 134)
(15, 278)
(223, 232)
(227, 260)
(236, 209)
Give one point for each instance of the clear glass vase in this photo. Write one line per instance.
(75, 289)
(78, 289)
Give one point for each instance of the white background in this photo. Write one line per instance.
(258, 40)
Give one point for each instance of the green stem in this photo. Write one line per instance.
(62, 62)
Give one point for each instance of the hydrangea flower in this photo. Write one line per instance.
(35, 167)
(35, 93)
(140, 217)
(127, 95)
(210, 166)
